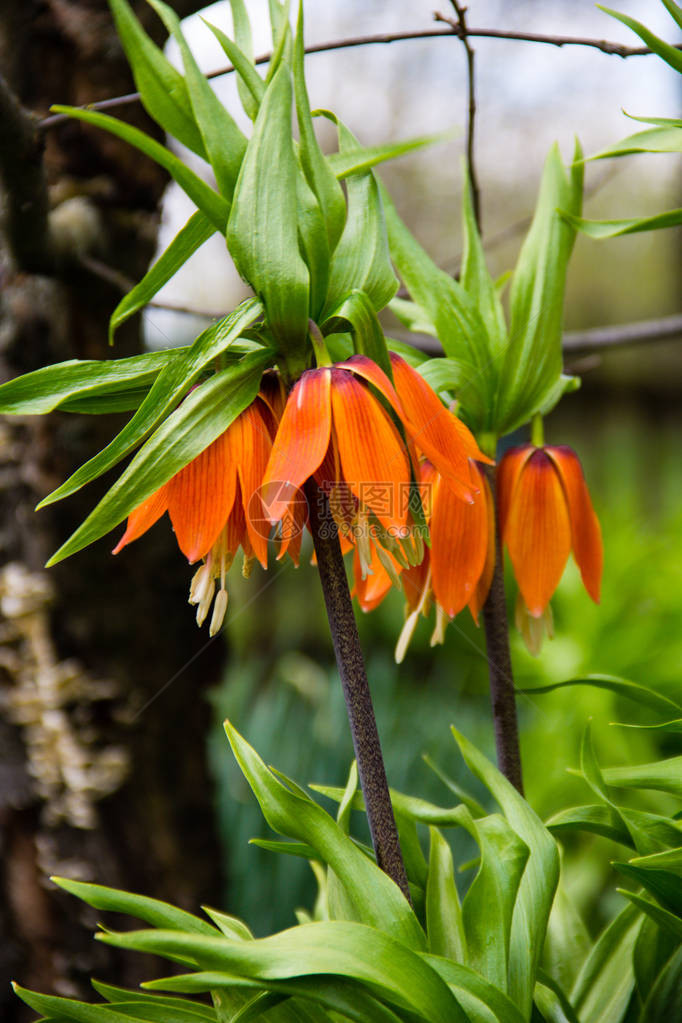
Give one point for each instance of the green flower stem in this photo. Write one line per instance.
(351, 667)
(322, 357)
(537, 430)
(499, 663)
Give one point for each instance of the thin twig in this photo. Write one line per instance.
(471, 113)
(356, 691)
(613, 49)
(581, 342)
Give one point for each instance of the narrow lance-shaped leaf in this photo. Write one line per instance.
(604, 985)
(643, 695)
(202, 195)
(53, 386)
(456, 319)
(631, 225)
(291, 814)
(444, 925)
(319, 173)
(141, 907)
(476, 280)
(250, 84)
(533, 362)
(161, 86)
(664, 139)
(242, 34)
(262, 232)
(361, 260)
(670, 54)
(363, 158)
(204, 415)
(191, 237)
(314, 243)
(390, 969)
(225, 144)
(662, 775)
(169, 388)
(538, 883)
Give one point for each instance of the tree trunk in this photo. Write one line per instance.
(102, 768)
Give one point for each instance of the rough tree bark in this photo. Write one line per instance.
(89, 785)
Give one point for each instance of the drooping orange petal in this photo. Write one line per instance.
(373, 457)
(200, 498)
(236, 533)
(364, 367)
(144, 517)
(538, 531)
(439, 434)
(415, 579)
(459, 545)
(585, 529)
(507, 476)
(293, 523)
(480, 594)
(301, 442)
(250, 446)
(371, 590)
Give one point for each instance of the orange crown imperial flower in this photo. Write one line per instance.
(337, 429)
(456, 571)
(545, 513)
(212, 508)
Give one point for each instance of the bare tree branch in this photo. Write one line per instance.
(462, 32)
(579, 342)
(613, 49)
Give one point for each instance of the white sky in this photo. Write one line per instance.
(528, 96)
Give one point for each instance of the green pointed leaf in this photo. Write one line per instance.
(363, 158)
(444, 374)
(604, 985)
(361, 260)
(646, 697)
(318, 171)
(567, 943)
(203, 415)
(337, 993)
(390, 969)
(662, 775)
(191, 237)
(456, 319)
(473, 991)
(408, 806)
(314, 244)
(249, 83)
(533, 360)
(119, 994)
(290, 814)
(613, 228)
(202, 195)
(538, 883)
(665, 1000)
(599, 819)
(551, 1001)
(661, 874)
(65, 382)
(473, 806)
(151, 911)
(488, 907)
(299, 849)
(224, 143)
(230, 926)
(357, 311)
(412, 316)
(664, 139)
(444, 924)
(670, 922)
(674, 10)
(670, 54)
(172, 384)
(565, 384)
(413, 356)
(476, 280)
(162, 88)
(653, 948)
(67, 1009)
(262, 232)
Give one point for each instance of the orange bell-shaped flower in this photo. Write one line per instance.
(545, 513)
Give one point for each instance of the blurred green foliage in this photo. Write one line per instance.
(288, 702)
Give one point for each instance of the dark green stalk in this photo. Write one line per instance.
(351, 667)
(499, 663)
